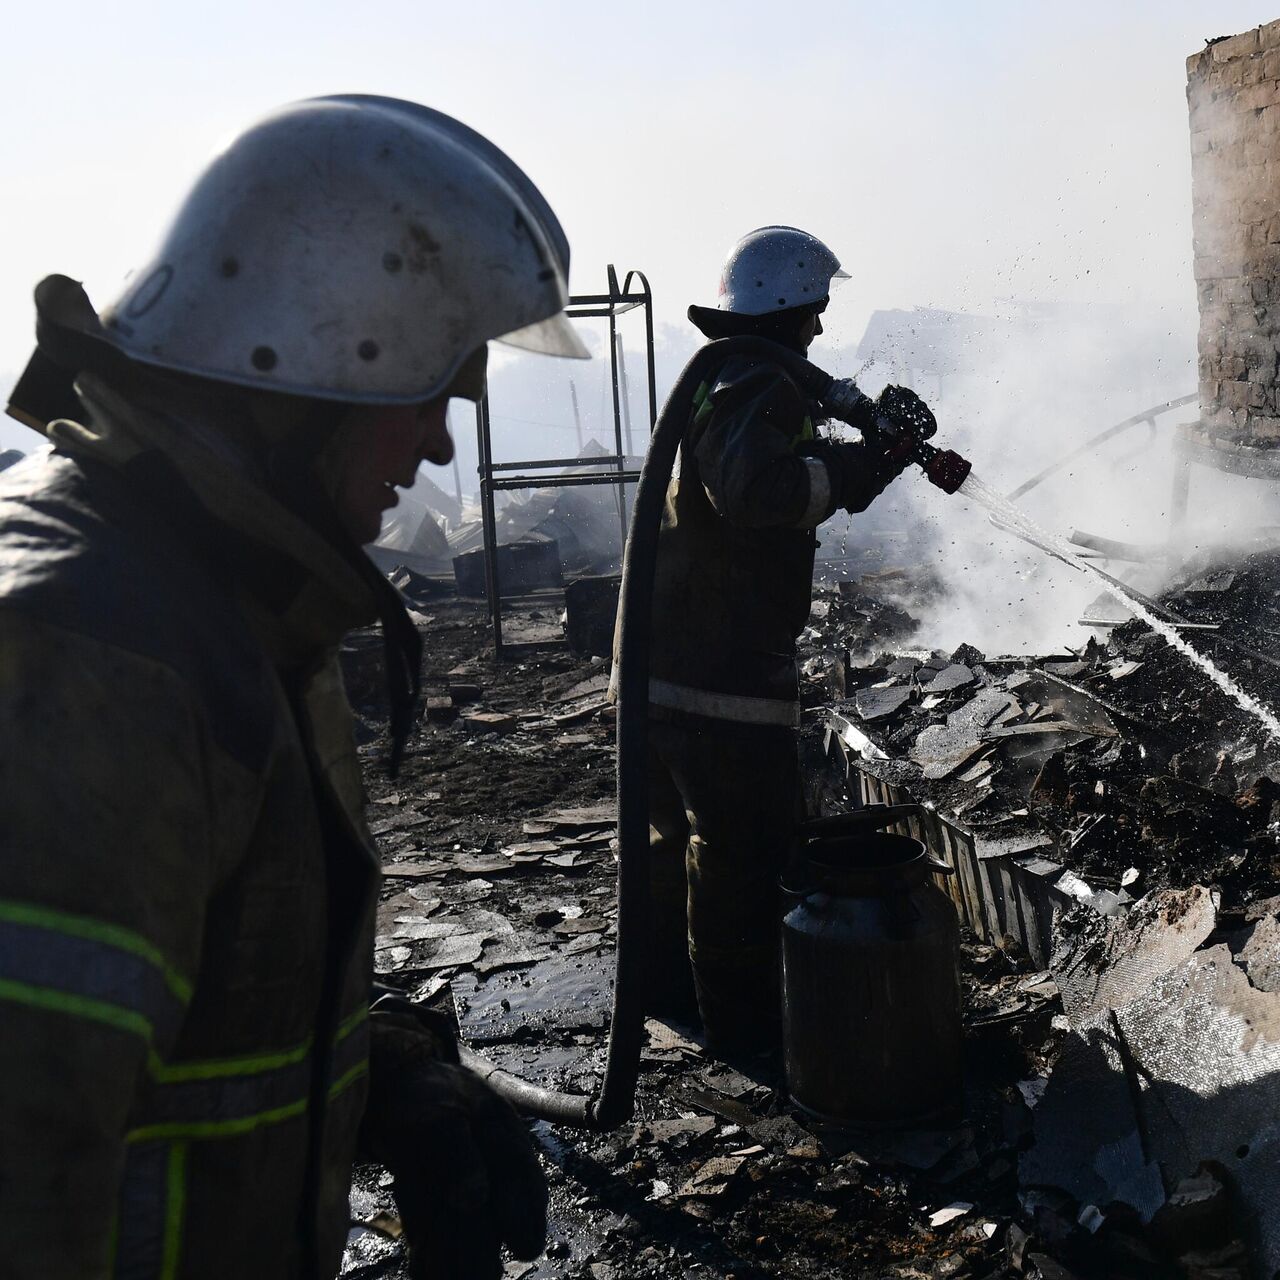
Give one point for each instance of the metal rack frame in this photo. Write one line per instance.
(616, 302)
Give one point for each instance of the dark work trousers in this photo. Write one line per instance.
(724, 799)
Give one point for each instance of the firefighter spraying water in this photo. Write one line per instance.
(731, 592)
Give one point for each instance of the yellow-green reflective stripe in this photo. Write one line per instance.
(348, 1078)
(77, 1006)
(97, 931)
(242, 1124)
(175, 1208)
(702, 402)
(251, 1064)
(351, 1023)
(217, 1128)
(216, 1068)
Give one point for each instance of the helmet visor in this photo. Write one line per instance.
(554, 336)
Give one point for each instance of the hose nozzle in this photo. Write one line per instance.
(944, 467)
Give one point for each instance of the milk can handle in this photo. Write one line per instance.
(869, 818)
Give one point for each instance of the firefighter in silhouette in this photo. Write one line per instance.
(187, 886)
(756, 478)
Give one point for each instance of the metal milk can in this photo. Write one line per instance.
(871, 977)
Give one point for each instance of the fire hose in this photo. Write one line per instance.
(613, 1104)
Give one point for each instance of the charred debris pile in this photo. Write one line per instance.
(1133, 766)
(497, 907)
(1115, 814)
(1121, 1062)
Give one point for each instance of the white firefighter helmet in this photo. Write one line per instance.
(777, 269)
(352, 248)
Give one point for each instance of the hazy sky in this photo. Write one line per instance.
(952, 154)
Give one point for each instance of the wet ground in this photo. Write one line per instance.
(498, 905)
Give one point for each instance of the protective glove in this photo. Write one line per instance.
(905, 413)
(467, 1180)
(860, 473)
(846, 403)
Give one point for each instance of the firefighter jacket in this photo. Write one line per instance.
(187, 889)
(736, 548)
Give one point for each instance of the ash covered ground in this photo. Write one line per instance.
(499, 887)
(498, 906)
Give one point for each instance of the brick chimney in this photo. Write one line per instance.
(1233, 92)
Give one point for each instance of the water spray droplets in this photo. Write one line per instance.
(1020, 523)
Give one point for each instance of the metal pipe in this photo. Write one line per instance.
(577, 416)
(605, 460)
(1160, 610)
(457, 475)
(648, 339)
(618, 298)
(1114, 550)
(617, 405)
(1147, 415)
(565, 482)
(488, 518)
(626, 395)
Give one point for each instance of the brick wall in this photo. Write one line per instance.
(1233, 91)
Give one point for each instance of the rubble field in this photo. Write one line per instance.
(1140, 777)
(498, 904)
(1137, 798)
(1139, 771)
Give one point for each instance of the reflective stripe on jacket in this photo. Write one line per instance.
(735, 557)
(186, 886)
